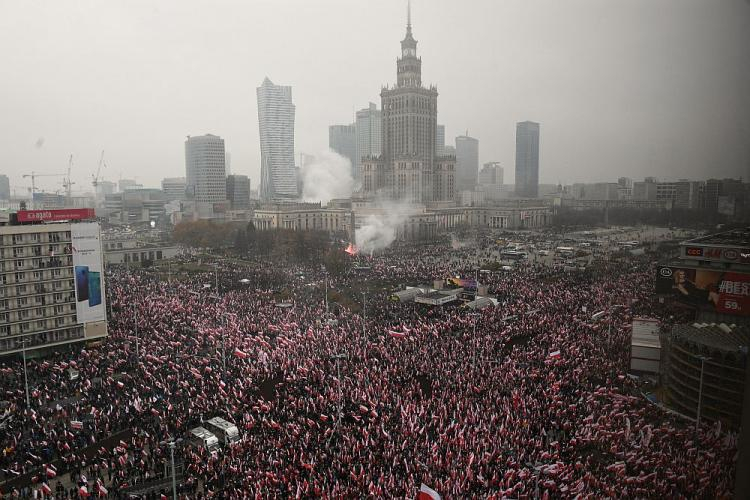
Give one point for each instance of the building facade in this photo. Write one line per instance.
(467, 163)
(43, 283)
(278, 176)
(527, 159)
(135, 206)
(440, 140)
(205, 166)
(174, 188)
(4, 187)
(238, 191)
(368, 125)
(409, 169)
(343, 140)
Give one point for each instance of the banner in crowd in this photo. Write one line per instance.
(87, 263)
(721, 291)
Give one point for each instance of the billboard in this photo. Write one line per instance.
(87, 264)
(55, 215)
(720, 291)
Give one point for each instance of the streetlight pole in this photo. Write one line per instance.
(174, 479)
(135, 319)
(700, 394)
(25, 374)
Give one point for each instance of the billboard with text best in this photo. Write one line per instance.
(720, 291)
(89, 275)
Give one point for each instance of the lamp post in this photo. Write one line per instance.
(25, 374)
(174, 479)
(703, 360)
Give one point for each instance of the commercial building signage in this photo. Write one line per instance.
(721, 254)
(722, 292)
(89, 275)
(55, 215)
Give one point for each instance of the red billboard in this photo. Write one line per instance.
(721, 291)
(55, 215)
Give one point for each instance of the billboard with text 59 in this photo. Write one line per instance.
(723, 292)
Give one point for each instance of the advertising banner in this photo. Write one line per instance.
(89, 275)
(55, 215)
(721, 291)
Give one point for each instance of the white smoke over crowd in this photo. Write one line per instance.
(327, 178)
(380, 228)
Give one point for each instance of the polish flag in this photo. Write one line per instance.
(120, 384)
(50, 471)
(427, 493)
(240, 354)
(123, 459)
(101, 489)
(555, 355)
(46, 490)
(396, 335)
(83, 491)
(76, 424)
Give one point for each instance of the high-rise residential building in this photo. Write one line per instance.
(440, 140)
(467, 163)
(527, 159)
(689, 195)
(278, 176)
(491, 173)
(409, 168)
(4, 187)
(54, 292)
(368, 125)
(238, 191)
(343, 140)
(490, 180)
(174, 188)
(205, 178)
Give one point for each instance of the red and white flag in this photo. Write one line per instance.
(396, 335)
(240, 354)
(83, 491)
(555, 355)
(427, 493)
(101, 489)
(50, 471)
(76, 424)
(46, 490)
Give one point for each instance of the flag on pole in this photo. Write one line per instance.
(83, 491)
(555, 354)
(101, 489)
(396, 335)
(76, 424)
(46, 490)
(50, 471)
(427, 493)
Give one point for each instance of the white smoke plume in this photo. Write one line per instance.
(381, 228)
(328, 177)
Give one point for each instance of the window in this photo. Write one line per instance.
(23, 313)
(59, 309)
(41, 324)
(39, 311)
(21, 302)
(57, 297)
(20, 289)
(59, 321)
(19, 264)
(37, 275)
(20, 276)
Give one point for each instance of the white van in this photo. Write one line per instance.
(227, 432)
(201, 437)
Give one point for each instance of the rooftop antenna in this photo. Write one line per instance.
(408, 15)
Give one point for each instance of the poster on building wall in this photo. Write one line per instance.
(722, 292)
(89, 274)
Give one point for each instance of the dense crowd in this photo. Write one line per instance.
(529, 396)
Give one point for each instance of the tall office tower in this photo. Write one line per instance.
(206, 180)
(440, 140)
(238, 191)
(4, 187)
(174, 188)
(527, 159)
(368, 125)
(54, 293)
(343, 140)
(408, 168)
(467, 163)
(278, 176)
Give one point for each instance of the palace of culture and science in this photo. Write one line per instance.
(409, 169)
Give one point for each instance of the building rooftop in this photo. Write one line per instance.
(735, 237)
(721, 337)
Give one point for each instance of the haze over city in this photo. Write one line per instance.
(621, 88)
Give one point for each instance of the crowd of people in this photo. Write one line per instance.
(527, 398)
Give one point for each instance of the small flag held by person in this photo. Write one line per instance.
(427, 493)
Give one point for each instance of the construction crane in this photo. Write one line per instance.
(95, 178)
(33, 176)
(67, 183)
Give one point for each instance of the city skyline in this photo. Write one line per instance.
(685, 119)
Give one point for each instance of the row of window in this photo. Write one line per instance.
(68, 334)
(31, 238)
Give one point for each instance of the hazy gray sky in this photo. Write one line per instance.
(620, 87)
